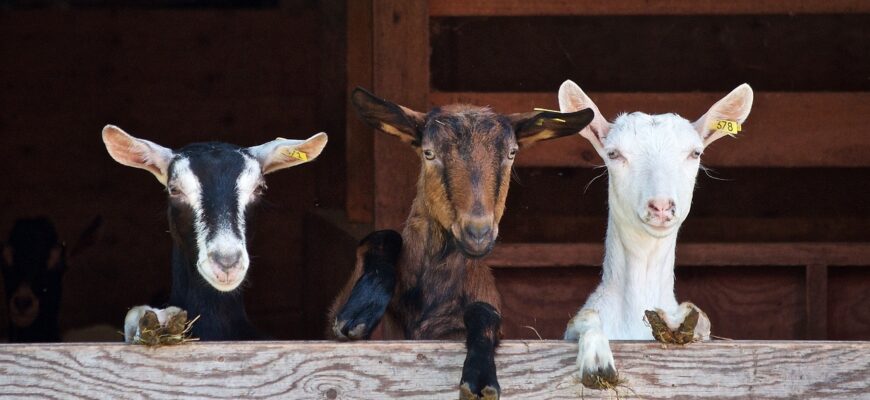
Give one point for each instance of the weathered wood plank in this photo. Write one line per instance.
(429, 370)
(784, 129)
(465, 8)
(694, 254)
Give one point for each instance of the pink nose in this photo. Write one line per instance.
(226, 275)
(661, 208)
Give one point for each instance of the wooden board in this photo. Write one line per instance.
(784, 129)
(507, 255)
(455, 8)
(430, 370)
(401, 74)
(359, 160)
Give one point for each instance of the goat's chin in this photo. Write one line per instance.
(473, 253)
(661, 231)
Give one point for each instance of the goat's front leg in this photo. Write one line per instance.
(594, 358)
(377, 257)
(479, 380)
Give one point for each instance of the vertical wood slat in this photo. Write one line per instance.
(401, 74)
(360, 162)
(817, 301)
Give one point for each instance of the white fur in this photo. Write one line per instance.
(655, 161)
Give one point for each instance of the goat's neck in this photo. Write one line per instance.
(638, 266)
(427, 244)
(222, 315)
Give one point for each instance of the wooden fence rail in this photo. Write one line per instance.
(430, 370)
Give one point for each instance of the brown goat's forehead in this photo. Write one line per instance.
(465, 124)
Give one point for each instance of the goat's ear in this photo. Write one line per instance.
(138, 153)
(55, 255)
(542, 125)
(399, 121)
(572, 98)
(284, 153)
(89, 237)
(733, 107)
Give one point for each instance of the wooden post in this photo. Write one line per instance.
(401, 74)
(817, 301)
(360, 158)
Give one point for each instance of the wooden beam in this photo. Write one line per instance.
(401, 74)
(508, 255)
(817, 301)
(360, 142)
(807, 129)
(430, 370)
(501, 8)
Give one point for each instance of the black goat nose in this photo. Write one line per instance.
(226, 261)
(23, 303)
(478, 231)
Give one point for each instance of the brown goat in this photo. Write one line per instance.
(430, 282)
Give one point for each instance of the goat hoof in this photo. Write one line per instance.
(176, 323)
(343, 331)
(488, 393)
(603, 378)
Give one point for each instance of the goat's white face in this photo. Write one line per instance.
(211, 186)
(653, 160)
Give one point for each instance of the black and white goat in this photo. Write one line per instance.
(210, 186)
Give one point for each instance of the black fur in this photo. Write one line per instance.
(482, 324)
(372, 292)
(31, 241)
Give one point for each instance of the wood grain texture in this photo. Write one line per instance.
(401, 75)
(429, 370)
(508, 255)
(455, 8)
(360, 139)
(783, 130)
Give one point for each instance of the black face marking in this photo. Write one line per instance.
(217, 166)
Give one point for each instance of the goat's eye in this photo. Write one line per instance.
(512, 153)
(429, 154)
(695, 154)
(259, 189)
(613, 155)
(174, 191)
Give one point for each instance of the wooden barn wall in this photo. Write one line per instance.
(173, 76)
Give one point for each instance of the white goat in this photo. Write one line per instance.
(652, 162)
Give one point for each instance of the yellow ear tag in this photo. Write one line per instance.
(299, 155)
(728, 127)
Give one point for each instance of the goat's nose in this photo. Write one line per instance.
(663, 208)
(226, 261)
(478, 231)
(23, 303)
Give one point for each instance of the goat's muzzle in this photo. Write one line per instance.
(476, 237)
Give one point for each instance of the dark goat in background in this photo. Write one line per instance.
(34, 262)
